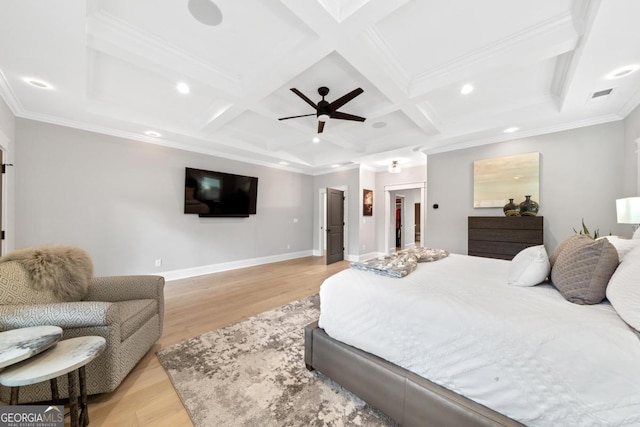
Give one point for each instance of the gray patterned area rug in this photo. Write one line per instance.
(252, 373)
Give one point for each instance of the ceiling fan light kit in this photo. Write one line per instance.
(394, 167)
(326, 110)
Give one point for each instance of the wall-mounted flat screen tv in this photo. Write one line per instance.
(210, 193)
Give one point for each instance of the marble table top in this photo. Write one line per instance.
(64, 357)
(17, 345)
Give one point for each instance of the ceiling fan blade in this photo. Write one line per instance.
(320, 126)
(345, 116)
(295, 117)
(344, 99)
(303, 96)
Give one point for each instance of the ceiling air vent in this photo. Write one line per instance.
(601, 93)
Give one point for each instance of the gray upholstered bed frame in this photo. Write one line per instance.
(406, 397)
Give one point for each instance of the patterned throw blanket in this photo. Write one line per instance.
(401, 263)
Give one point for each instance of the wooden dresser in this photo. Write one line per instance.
(503, 236)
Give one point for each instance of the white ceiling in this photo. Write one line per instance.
(114, 66)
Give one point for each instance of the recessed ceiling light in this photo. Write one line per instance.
(466, 89)
(315, 140)
(511, 129)
(153, 133)
(183, 88)
(40, 84)
(283, 163)
(335, 165)
(205, 12)
(622, 71)
(379, 125)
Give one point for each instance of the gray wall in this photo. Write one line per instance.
(631, 148)
(122, 200)
(7, 138)
(368, 223)
(581, 175)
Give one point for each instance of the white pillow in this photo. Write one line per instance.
(636, 234)
(623, 246)
(623, 290)
(529, 267)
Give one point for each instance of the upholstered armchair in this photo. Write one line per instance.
(126, 310)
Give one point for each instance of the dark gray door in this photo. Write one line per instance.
(1, 219)
(335, 225)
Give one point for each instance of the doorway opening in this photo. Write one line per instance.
(416, 216)
(399, 215)
(404, 227)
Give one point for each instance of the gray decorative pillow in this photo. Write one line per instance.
(583, 268)
(569, 241)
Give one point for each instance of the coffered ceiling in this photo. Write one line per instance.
(113, 67)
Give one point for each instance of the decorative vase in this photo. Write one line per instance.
(511, 209)
(529, 207)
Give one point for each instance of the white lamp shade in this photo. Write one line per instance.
(323, 117)
(628, 210)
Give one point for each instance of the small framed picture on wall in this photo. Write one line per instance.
(367, 202)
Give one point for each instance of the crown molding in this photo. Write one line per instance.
(327, 170)
(389, 62)
(425, 81)
(105, 130)
(630, 105)
(584, 13)
(114, 36)
(564, 65)
(431, 114)
(524, 134)
(9, 96)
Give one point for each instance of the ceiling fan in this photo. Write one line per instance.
(326, 110)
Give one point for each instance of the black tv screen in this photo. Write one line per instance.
(210, 193)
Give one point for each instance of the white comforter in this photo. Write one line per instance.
(524, 352)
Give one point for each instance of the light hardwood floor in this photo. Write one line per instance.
(194, 306)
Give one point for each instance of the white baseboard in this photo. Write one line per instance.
(232, 265)
(354, 258)
(370, 255)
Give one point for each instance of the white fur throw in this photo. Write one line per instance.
(63, 270)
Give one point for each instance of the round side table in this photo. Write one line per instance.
(67, 357)
(17, 345)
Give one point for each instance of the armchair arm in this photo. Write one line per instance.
(65, 314)
(124, 288)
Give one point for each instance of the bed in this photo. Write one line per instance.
(453, 344)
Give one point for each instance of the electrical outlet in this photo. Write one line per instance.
(159, 262)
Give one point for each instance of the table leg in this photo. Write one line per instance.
(14, 395)
(55, 396)
(84, 410)
(73, 398)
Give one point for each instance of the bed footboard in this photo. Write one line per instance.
(404, 396)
